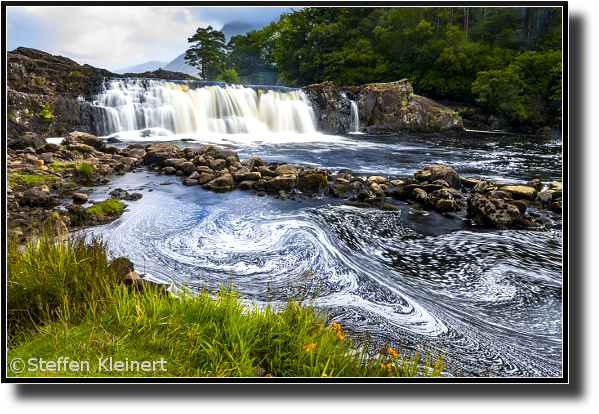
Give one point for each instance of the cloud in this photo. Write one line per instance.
(114, 37)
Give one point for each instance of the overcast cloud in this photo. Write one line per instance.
(117, 37)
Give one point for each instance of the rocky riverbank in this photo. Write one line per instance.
(382, 107)
(44, 180)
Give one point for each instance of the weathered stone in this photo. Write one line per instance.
(519, 204)
(29, 139)
(492, 211)
(80, 197)
(536, 184)
(356, 187)
(219, 153)
(191, 181)
(36, 198)
(378, 179)
(312, 183)
(265, 171)
(521, 192)
(173, 162)
(432, 173)
(389, 207)
(169, 170)
(218, 164)
(246, 185)
(418, 194)
(204, 178)
(356, 204)
(544, 198)
(186, 167)
(556, 207)
(287, 169)
(499, 194)
(338, 190)
(246, 175)
(224, 182)
(282, 182)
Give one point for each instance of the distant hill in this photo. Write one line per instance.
(180, 65)
(231, 29)
(143, 67)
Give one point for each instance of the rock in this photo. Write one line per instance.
(186, 167)
(521, 192)
(29, 139)
(356, 187)
(137, 153)
(499, 194)
(355, 204)
(254, 162)
(432, 173)
(218, 164)
(204, 178)
(191, 182)
(224, 182)
(245, 174)
(287, 169)
(544, 198)
(265, 171)
(492, 211)
(282, 182)
(312, 183)
(246, 185)
(219, 153)
(378, 179)
(419, 195)
(79, 197)
(204, 170)
(556, 207)
(49, 147)
(31, 159)
(36, 198)
(519, 204)
(194, 176)
(480, 187)
(169, 170)
(173, 162)
(389, 207)
(338, 190)
(120, 267)
(397, 183)
(132, 278)
(536, 184)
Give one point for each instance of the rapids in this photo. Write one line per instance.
(490, 300)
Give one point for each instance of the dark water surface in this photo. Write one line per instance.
(491, 300)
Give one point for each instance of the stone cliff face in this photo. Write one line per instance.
(36, 78)
(382, 107)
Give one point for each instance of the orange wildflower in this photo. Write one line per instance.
(336, 325)
(309, 347)
(392, 352)
(339, 335)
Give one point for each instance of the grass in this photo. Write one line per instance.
(55, 166)
(107, 207)
(63, 301)
(70, 165)
(85, 168)
(29, 180)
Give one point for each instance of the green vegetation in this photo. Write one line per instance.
(38, 81)
(45, 112)
(229, 76)
(55, 166)
(10, 115)
(85, 168)
(28, 180)
(107, 207)
(461, 54)
(63, 300)
(208, 48)
(70, 165)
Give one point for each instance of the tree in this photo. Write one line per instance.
(208, 48)
(228, 76)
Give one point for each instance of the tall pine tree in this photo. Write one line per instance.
(208, 48)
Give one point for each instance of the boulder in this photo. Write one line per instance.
(173, 162)
(284, 182)
(338, 190)
(377, 179)
(536, 184)
(432, 173)
(492, 211)
(246, 185)
(265, 171)
(288, 169)
(186, 167)
(27, 140)
(521, 192)
(245, 174)
(223, 182)
(312, 183)
(219, 153)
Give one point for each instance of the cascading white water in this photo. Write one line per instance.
(355, 117)
(161, 108)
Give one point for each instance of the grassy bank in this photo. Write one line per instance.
(65, 300)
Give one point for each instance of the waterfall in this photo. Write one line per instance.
(148, 107)
(355, 116)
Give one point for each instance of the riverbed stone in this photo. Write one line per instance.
(79, 197)
(186, 167)
(521, 192)
(223, 182)
(438, 172)
(169, 170)
(264, 171)
(246, 185)
(282, 182)
(245, 174)
(536, 184)
(492, 211)
(287, 169)
(312, 183)
(338, 189)
(377, 179)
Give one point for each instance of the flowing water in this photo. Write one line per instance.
(491, 300)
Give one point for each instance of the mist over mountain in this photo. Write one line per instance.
(143, 67)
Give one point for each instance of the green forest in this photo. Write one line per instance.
(503, 60)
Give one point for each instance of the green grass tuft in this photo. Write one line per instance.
(107, 207)
(28, 180)
(85, 168)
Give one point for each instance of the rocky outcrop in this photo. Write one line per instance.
(382, 107)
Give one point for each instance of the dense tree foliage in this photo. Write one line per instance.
(506, 60)
(207, 51)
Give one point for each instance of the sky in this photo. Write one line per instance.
(114, 37)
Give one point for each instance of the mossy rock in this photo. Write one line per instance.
(312, 183)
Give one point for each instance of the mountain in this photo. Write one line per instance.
(231, 29)
(143, 67)
(180, 65)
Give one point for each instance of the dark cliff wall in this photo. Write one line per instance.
(382, 107)
(36, 78)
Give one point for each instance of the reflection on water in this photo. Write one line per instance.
(492, 300)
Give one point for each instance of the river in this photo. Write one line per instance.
(490, 300)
